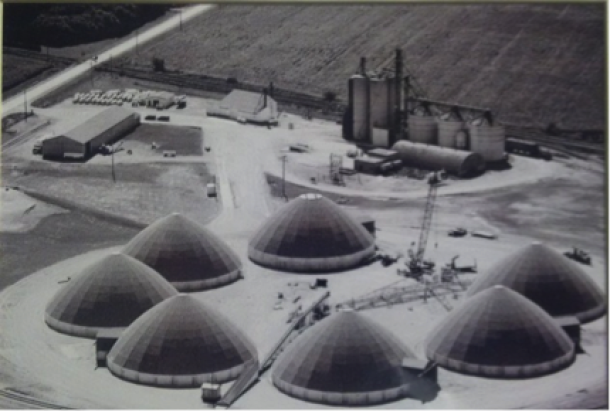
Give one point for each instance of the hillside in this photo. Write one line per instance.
(532, 64)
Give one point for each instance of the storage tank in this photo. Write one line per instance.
(380, 108)
(448, 128)
(487, 140)
(427, 157)
(461, 140)
(358, 97)
(422, 129)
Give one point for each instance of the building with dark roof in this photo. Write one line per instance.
(311, 234)
(188, 255)
(346, 360)
(549, 279)
(247, 106)
(85, 140)
(499, 333)
(110, 293)
(181, 343)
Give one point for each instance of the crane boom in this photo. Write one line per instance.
(433, 182)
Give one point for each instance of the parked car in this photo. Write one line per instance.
(163, 118)
(150, 118)
(457, 232)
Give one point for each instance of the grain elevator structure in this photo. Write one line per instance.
(386, 107)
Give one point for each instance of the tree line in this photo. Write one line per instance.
(31, 25)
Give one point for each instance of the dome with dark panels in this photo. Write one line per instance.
(188, 255)
(110, 293)
(344, 360)
(549, 279)
(311, 234)
(181, 343)
(501, 334)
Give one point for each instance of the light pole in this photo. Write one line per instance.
(25, 105)
(91, 62)
(136, 41)
(114, 150)
(180, 19)
(284, 158)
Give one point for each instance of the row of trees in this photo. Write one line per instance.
(59, 25)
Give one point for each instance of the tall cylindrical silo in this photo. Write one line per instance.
(461, 140)
(447, 132)
(488, 140)
(434, 158)
(359, 104)
(422, 129)
(380, 107)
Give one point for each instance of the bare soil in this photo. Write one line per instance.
(531, 64)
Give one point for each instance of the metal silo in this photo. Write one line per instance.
(448, 127)
(487, 140)
(380, 103)
(434, 158)
(358, 96)
(461, 140)
(422, 129)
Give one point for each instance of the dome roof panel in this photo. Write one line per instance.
(110, 293)
(549, 279)
(181, 343)
(499, 333)
(188, 255)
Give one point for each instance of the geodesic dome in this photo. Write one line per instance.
(311, 234)
(499, 333)
(181, 343)
(549, 279)
(110, 293)
(188, 255)
(344, 360)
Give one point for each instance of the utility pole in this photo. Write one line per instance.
(25, 105)
(136, 41)
(181, 20)
(113, 175)
(284, 158)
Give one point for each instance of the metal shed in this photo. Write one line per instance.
(456, 162)
(84, 140)
(368, 165)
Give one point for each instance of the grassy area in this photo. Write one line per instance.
(56, 238)
(532, 64)
(142, 192)
(18, 69)
(186, 141)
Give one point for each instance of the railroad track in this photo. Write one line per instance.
(30, 402)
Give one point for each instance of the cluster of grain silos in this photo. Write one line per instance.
(478, 135)
(372, 108)
(145, 331)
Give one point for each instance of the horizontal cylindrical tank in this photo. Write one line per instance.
(422, 129)
(447, 131)
(359, 102)
(488, 141)
(456, 162)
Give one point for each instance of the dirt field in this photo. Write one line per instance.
(531, 64)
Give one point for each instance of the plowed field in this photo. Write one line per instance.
(532, 64)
